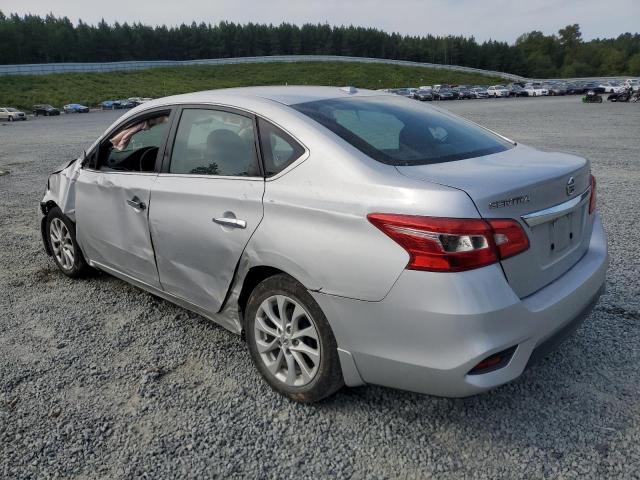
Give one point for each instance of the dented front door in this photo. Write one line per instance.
(112, 218)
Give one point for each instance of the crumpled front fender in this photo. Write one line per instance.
(61, 189)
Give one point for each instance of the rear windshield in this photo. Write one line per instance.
(402, 132)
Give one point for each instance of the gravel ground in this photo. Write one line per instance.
(101, 380)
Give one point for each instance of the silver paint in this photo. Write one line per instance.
(415, 330)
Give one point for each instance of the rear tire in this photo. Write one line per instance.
(61, 235)
(290, 341)
(10, 118)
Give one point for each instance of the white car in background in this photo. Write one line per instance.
(496, 91)
(479, 92)
(11, 114)
(535, 90)
(612, 87)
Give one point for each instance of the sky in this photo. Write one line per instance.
(483, 19)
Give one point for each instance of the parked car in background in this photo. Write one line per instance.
(633, 83)
(612, 87)
(110, 105)
(573, 88)
(444, 93)
(404, 91)
(592, 86)
(556, 89)
(45, 109)
(463, 92)
(496, 91)
(479, 92)
(75, 108)
(460, 260)
(535, 90)
(11, 114)
(516, 90)
(126, 103)
(423, 94)
(139, 100)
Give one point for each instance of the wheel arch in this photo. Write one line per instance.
(46, 207)
(257, 274)
(254, 276)
(252, 269)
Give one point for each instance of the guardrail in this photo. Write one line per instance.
(46, 68)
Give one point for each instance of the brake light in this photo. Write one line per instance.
(452, 244)
(592, 198)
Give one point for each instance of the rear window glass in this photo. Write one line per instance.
(402, 132)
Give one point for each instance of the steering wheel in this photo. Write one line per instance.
(145, 156)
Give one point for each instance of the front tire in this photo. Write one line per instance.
(290, 341)
(61, 234)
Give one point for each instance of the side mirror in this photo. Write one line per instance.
(90, 160)
(83, 158)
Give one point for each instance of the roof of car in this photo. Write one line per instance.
(288, 95)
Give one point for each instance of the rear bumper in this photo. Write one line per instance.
(433, 328)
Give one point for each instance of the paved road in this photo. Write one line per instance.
(101, 380)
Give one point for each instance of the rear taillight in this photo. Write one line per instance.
(592, 198)
(452, 244)
(509, 237)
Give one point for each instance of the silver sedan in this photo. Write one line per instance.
(353, 236)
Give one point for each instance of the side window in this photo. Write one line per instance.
(135, 147)
(213, 142)
(279, 150)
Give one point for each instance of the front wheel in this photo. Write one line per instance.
(291, 342)
(61, 234)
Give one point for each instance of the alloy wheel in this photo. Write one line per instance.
(61, 243)
(287, 340)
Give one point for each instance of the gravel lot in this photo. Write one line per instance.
(101, 380)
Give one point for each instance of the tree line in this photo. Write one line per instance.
(34, 39)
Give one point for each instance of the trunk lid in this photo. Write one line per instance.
(523, 183)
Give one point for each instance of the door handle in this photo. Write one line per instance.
(230, 222)
(136, 203)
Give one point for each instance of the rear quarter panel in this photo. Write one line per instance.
(315, 226)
